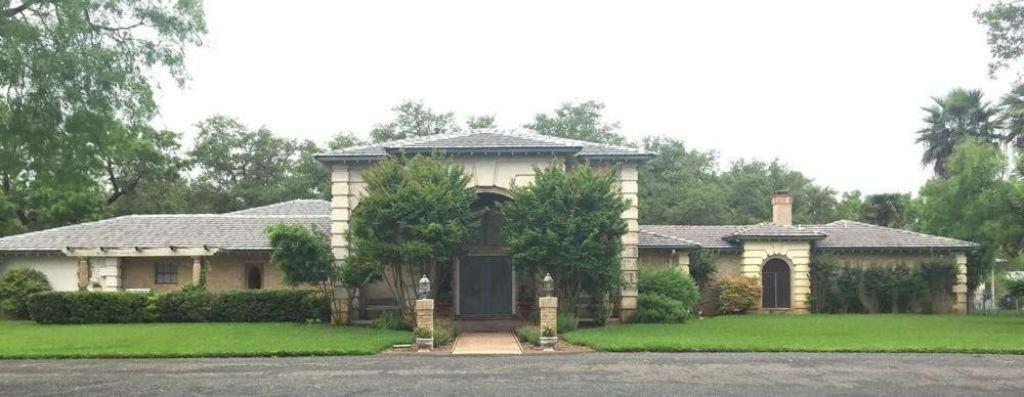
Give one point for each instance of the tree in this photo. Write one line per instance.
(850, 206)
(15, 287)
(680, 185)
(239, 168)
(412, 220)
(961, 114)
(344, 140)
(975, 202)
(568, 223)
(304, 257)
(76, 82)
(478, 122)
(1013, 117)
(412, 119)
(886, 209)
(578, 121)
(748, 185)
(1004, 21)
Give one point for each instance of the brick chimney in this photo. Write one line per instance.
(782, 208)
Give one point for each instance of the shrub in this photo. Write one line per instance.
(1014, 287)
(848, 289)
(737, 294)
(444, 332)
(88, 307)
(824, 274)
(702, 266)
(422, 333)
(891, 288)
(391, 320)
(936, 276)
(657, 308)
(15, 287)
(565, 322)
(187, 305)
(269, 306)
(670, 283)
(529, 334)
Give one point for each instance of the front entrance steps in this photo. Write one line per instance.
(487, 323)
(487, 343)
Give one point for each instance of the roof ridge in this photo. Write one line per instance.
(526, 133)
(688, 241)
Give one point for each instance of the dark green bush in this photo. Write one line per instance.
(391, 320)
(657, 308)
(88, 307)
(671, 283)
(702, 266)
(848, 289)
(15, 287)
(269, 306)
(184, 306)
(825, 273)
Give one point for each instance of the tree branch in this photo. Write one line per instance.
(10, 12)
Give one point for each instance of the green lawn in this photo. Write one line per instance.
(19, 339)
(817, 333)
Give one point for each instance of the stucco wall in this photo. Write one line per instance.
(224, 273)
(61, 271)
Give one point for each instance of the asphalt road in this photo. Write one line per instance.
(594, 374)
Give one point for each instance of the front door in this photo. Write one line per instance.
(485, 285)
(775, 285)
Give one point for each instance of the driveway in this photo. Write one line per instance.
(595, 374)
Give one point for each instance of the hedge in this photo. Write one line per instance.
(180, 306)
(269, 306)
(88, 307)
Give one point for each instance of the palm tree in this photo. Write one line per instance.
(959, 115)
(1013, 117)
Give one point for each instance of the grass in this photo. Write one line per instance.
(20, 339)
(816, 333)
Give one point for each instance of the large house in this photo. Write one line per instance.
(166, 252)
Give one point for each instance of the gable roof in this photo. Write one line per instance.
(486, 141)
(769, 230)
(240, 230)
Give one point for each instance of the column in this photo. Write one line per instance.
(628, 187)
(197, 271)
(683, 262)
(341, 203)
(960, 286)
(801, 286)
(83, 273)
(425, 314)
(548, 306)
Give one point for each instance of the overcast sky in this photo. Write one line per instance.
(832, 88)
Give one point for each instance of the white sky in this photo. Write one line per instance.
(832, 88)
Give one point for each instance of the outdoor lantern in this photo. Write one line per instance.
(549, 285)
(423, 289)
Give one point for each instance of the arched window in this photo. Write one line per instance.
(775, 285)
(254, 278)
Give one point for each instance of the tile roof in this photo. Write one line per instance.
(484, 141)
(293, 207)
(776, 231)
(853, 235)
(839, 235)
(649, 239)
(232, 231)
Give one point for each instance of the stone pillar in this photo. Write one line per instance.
(425, 314)
(340, 209)
(548, 306)
(683, 262)
(197, 270)
(960, 286)
(801, 285)
(629, 189)
(84, 273)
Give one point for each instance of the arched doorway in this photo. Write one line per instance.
(485, 276)
(775, 284)
(253, 277)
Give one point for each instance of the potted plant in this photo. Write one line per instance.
(548, 339)
(424, 338)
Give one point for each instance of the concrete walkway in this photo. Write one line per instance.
(487, 343)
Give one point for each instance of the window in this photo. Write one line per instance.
(166, 273)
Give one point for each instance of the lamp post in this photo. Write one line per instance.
(423, 288)
(548, 286)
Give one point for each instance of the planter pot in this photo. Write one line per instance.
(548, 343)
(424, 344)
